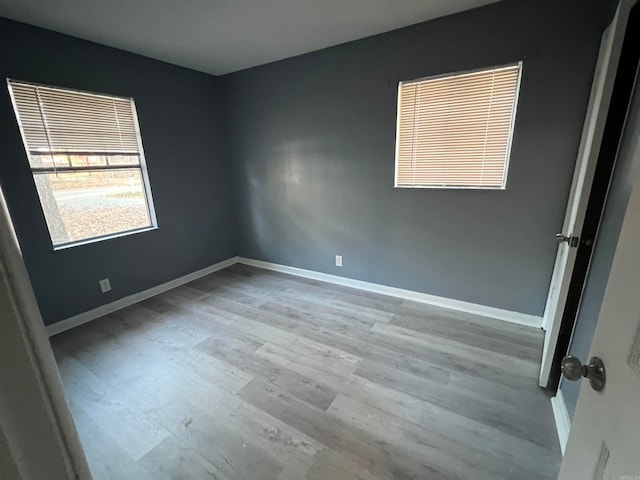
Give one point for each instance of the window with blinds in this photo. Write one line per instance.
(455, 131)
(86, 156)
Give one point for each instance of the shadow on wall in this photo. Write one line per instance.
(303, 202)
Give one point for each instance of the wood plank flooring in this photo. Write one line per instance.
(249, 374)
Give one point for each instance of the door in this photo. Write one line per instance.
(605, 433)
(601, 90)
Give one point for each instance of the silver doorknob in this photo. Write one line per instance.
(573, 369)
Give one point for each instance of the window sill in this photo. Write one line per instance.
(66, 246)
(444, 187)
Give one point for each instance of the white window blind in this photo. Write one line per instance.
(455, 131)
(57, 120)
(87, 162)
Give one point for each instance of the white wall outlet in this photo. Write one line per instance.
(105, 285)
(338, 260)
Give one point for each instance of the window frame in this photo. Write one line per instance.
(142, 166)
(507, 164)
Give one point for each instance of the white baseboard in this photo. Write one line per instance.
(563, 422)
(121, 303)
(459, 305)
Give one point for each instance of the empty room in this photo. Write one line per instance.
(311, 240)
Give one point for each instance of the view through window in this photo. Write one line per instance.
(87, 161)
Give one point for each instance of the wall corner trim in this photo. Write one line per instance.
(563, 422)
(452, 304)
(132, 299)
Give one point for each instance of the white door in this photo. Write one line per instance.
(595, 120)
(605, 434)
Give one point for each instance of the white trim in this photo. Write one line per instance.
(459, 305)
(121, 303)
(36, 428)
(450, 303)
(87, 241)
(144, 172)
(590, 141)
(563, 422)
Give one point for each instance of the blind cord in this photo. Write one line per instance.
(115, 112)
(45, 126)
(417, 100)
(486, 129)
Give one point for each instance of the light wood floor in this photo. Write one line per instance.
(248, 374)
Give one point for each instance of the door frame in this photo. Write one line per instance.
(606, 418)
(623, 92)
(587, 160)
(37, 431)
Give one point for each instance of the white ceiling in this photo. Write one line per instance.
(222, 36)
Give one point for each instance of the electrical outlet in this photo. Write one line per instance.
(105, 285)
(338, 260)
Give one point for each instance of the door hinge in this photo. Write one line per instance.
(571, 240)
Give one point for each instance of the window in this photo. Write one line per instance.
(455, 131)
(87, 161)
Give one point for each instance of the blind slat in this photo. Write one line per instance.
(456, 130)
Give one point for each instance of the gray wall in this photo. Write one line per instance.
(181, 121)
(313, 147)
(604, 250)
(312, 157)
